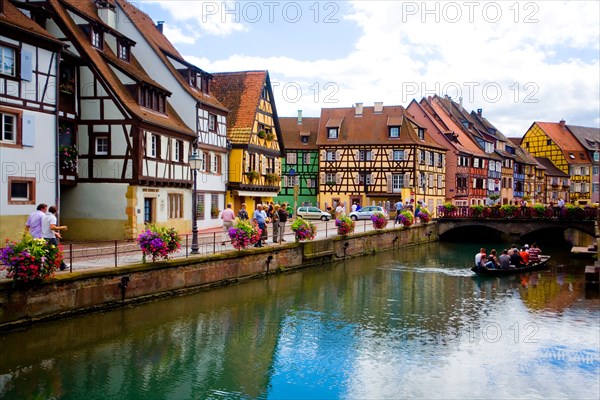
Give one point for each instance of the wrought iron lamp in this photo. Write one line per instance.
(195, 165)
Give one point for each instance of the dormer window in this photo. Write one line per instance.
(421, 133)
(332, 133)
(212, 122)
(123, 51)
(304, 139)
(151, 98)
(394, 131)
(96, 38)
(204, 81)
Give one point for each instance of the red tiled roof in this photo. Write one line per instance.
(13, 17)
(566, 141)
(240, 92)
(371, 128)
(292, 132)
(170, 120)
(161, 46)
(588, 137)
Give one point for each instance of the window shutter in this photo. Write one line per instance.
(28, 130)
(246, 161)
(322, 177)
(26, 65)
(356, 155)
(277, 166)
(357, 178)
(323, 155)
(430, 183)
(338, 178)
(407, 180)
(338, 155)
(307, 161)
(263, 164)
(388, 178)
(390, 154)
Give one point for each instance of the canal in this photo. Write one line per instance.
(411, 323)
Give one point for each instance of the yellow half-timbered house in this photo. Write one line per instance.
(377, 155)
(255, 136)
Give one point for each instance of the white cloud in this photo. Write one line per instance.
(176, 35)
(521, 68)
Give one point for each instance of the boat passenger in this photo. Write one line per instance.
(504, 260)
(534, 254)
(479, 257)
(525, 255)
(516, 259)
(492, 260)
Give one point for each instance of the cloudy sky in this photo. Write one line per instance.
(520, 61)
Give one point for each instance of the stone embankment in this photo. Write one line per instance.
(104, 288)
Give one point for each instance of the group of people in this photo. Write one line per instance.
(400, 206)
(276, 214)
(43, 224)
(510, 258)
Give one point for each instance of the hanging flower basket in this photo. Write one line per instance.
(345, 225)
(303, 229)
(424, 215)
(406, 218)
(30, 260)
(244, 233)
(158, 242)
(379, 221)
(68, 158)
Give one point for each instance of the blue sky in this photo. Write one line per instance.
(520, 61)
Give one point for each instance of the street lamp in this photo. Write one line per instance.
(195, 165)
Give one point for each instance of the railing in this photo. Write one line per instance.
(521, 213)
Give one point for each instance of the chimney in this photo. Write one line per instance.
(159, 26)
(460, 101)
(479, 112)
(378, 107)
(106, 12)
(562, 123)
(299, 117)
(359, 109)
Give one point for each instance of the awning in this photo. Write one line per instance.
(256, 194)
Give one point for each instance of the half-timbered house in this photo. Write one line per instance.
(377, 155)
(133, 147)
(554, 183)
(255, 136)
(556, 142)
(29, 58)
(300, 167)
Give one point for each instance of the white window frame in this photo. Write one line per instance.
(153, 145)
(394, 132)
(3, 132)
(330, 155)
(398, 155)
(212, 122)
(101, 145)
(397, 183)
(8, 53)
(291, 158)
(332, 133)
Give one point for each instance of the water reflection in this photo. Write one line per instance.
(413, 323)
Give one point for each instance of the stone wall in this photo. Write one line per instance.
(103, 288)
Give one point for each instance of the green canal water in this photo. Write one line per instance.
(412, 323)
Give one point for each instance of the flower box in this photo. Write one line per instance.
(303, 229)
(244, 233)
(345, 226)
(379, 221)
(158, 242)
(30, 260)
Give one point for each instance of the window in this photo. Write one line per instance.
(175, 205)
(332, 133)
(217, 165)
(475, 162)
(200, 206)
(212, 122)
(330, 155)
(214, 206)
(397, 182)
(290, 158)
(21, 190)
(123, 51)
(9, 128)
(154, 146)
(398, 155)
(306, 159)
(394, 131)
(177, 150)
(422, 179)
(304, 139)
(310, 183)
(8, 65)
(440, 161)
(365, 155)
(548, 142)
(595, 170)
(429, 157)
(421, 133)
(151, 99)
(330, 178)
(421, 156)
(364, 178)
(101, 146)
(96, 38)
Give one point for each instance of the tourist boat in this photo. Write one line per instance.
(512, 271)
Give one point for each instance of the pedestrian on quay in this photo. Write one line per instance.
(34, 222)
(51, 231)
(275, 222)
(243, 213)
(260, 217)
(283, 217)
(227, 216)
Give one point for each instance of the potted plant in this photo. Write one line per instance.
(345, 225)
(252, 176)
(406, 218)
(158, 242)
(303, 229)
(243, 233)
(424, 215)
(262, 134)
(30, 260)
(214, 212)
(272, 178)
(270, 136)
(379, 220)
(68, 158)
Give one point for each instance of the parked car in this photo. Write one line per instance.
(313, 213)
(366, 212)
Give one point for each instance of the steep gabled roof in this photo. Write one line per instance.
(371, 128)
(164, 49)
(13, 19)
(292, 132)
(550, 168)
(587, 136)
(98, 62)
(566, 141)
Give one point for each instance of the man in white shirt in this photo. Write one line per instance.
(50, 231)
(340, 210)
